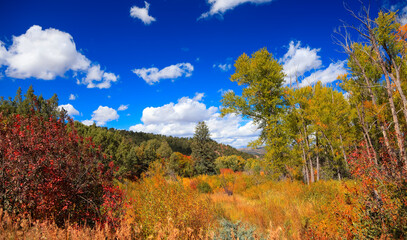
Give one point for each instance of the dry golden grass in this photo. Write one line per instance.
(159, 208)
(279, 209)
(19, 227)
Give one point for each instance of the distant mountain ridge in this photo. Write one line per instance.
(254, 151)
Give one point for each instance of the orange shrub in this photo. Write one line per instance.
(158, 205)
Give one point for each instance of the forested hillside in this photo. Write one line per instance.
(131, 152)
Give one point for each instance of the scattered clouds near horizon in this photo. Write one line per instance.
(223, 67)
(300, 61)
(47, 54)
(142, 13)
(101, 116)
(154, 75)
(219, 7)
(71, 111)
(123, 107)
(180, 119)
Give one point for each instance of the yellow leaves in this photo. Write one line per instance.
(342, 77)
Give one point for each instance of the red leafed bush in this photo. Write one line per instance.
(50, 172)
(382, 195)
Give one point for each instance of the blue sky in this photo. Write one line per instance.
(161, 65)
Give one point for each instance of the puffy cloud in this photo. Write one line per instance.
(102, 115)
(3, 54)
(87, 122)
(142, 13)
(180, 119)
(233, 130)
(325, 76)
(198, 96)
(123, 107)
(299, 60)
(153, 75)
(221, 6)
(47, 54)
(69, 109)
(72, 97)
(186, 110)
(97, 78)
(43, 54)
(224, 67)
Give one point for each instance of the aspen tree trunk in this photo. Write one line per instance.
(316, 135)
(333, 153)
(399, 136)
(309, 159)
(374, 101)
(389, 89)
(397, 81)
(306, 173)
(305, 168)
(344, 153)
(367, 137)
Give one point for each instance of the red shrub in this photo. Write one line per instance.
(48, 171)
(382, 195)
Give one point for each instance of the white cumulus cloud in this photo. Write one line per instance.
(97, 78)
(102, 115)
(87, 122)
(185, 110)
(154, 75)
(69, 109)
(43, 54)
(299, 60)
(49, 53)
(180, 119)
(3, 54)
(142, 13)
(221, 6)
(328, 75)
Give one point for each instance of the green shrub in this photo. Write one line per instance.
(238, 230)
(204, 187)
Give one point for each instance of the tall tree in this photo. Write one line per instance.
(262, 100)
(203, 150)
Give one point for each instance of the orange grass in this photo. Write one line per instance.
(20, 227)
(162, 207)
(159, 208)
(285, 206)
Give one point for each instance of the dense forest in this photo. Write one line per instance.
(335, 165)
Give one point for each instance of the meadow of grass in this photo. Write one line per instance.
(286, 208)
(226, 206)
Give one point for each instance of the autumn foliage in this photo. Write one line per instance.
(375, 207)
(48, 171)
